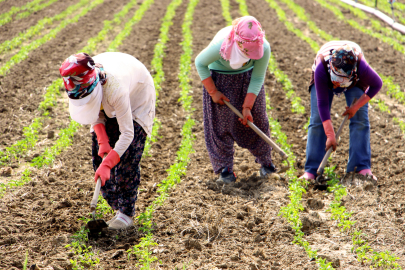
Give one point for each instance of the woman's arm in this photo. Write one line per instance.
(122, 107)
(370, 77)
(322, 91)
(206, 57)
(259, 72)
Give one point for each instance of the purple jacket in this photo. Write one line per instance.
(365, 74)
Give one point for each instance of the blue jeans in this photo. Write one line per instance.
(359, 151)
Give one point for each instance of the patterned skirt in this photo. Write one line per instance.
(222, 127)
(121, 191)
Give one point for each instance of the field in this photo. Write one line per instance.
(185, 220)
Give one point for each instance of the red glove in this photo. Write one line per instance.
(356, 106)
(212, 90)
(330, 134)
(103, 141)
(104, 170)
(247, 107)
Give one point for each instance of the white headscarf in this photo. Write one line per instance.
(238, 58)
(85, 110)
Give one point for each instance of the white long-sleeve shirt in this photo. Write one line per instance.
(129, 95)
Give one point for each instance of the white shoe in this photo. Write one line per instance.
(111, 220)
(120, 223)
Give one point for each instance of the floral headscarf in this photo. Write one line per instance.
(343, 66)
(248, 34)
(80, 75)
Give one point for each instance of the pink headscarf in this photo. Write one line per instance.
(248, 32)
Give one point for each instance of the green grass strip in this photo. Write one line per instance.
(376, 26)
(290, 26)
(296, 186)
(8, 16)
(386, 8)
(382, 259)
(143, 250)
(25, 50)
(400, 123)
(64, 140)
(128, 26)
(225, 11)
(35, 9)
(52, 92)
(339, 212)
(157, 66)
(36, 29)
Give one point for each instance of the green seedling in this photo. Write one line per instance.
(225, 11)
(157, 66)
(296, 186)
(143, 250)
(36, 29)
(25, 50)
(8, 16)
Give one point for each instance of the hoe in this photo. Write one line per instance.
(321, 167)
(264, 137)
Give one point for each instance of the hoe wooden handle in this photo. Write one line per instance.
(93, 203)
(258, 131)
(325, 158)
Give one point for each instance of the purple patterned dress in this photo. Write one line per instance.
(222, 127)
(121, 191)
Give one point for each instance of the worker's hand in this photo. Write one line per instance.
(330, 134)
(331, 142)
(356, 106)
(103, 142)
(104, 149)
(104, 170)
(218, 97)
(350, 111)
(247, 115)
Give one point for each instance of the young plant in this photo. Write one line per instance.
(25, 50)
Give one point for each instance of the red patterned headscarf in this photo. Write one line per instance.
(79, 75)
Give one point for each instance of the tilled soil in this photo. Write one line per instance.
(203, 225)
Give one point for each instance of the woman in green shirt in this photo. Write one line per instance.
(233, 68)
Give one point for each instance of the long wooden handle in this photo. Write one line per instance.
(258, 131)
(325, 158)
(93, 203)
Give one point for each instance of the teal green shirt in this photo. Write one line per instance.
(211, 59)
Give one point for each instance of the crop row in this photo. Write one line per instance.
(296, 186)
(142, 250)
(386, 7)
(338, 211)
(25, 50)
(26, 10)
(36, 29)
(157, 66)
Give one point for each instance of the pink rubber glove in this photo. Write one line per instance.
(247, 108)
(356, 106)
(330, 134)
(212, 90)
(103, 141)
(104, 170)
